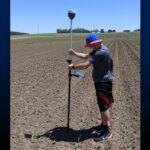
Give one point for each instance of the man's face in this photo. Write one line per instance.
(92, 46)
(95, 46)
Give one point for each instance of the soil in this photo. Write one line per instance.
(39, 97)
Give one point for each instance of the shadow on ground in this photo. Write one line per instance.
(61, 134)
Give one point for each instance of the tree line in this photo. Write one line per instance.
(78, 30)
(17, 33)
(82, 30)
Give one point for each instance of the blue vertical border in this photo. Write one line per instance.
(145, 74)
(5, 74)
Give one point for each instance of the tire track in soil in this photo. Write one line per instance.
(131, 93)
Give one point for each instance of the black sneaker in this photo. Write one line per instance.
(99, 128)
(103, 136)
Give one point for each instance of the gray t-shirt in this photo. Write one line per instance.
(102, 65)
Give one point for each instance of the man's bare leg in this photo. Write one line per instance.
(105, 118)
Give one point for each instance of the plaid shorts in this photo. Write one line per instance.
(104, 95)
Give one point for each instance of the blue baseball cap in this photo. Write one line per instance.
(91, 39)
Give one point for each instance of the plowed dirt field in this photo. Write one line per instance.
(39, 95)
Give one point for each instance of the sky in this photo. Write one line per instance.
(46, 16)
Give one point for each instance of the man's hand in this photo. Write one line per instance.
(71, 52)
(80, 66)
(70, 66)
(77, 54)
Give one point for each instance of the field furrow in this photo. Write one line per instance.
(135, 59)
(131, 94)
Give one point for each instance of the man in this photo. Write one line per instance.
(102, 75)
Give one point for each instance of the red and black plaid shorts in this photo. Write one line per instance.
(104, 95)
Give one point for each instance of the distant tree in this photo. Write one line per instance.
(77, 30)
(102, 30)
(59, 30)
(80, 30)
(62, 30)
(113, 30)
(17, 33)
(110, 30)
(126, 31)
(65, 31)
(137, 30)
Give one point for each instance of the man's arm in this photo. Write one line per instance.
(80, 66)
(79, 55)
